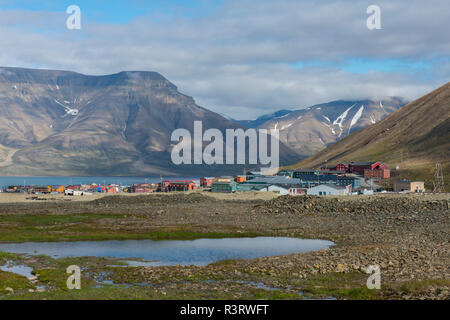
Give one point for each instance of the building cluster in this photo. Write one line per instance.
(369, 170)
(293, 182)
(343, 179)
(81, 189)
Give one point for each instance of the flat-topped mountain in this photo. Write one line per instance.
(66, 123)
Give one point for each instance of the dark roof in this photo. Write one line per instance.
(254, 173)
(347, 178)
(274, 180)
(313, 177)
(224, 182)
(369, 163)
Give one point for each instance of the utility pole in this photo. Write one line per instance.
(438, 183)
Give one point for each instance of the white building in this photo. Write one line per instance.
(274, 188)
(297, 191)
(327, 190)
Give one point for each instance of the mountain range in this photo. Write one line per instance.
(310, 130)
(66, 123)
(262, 119)
(412, 139)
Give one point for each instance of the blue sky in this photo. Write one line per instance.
(242, 58)
(119, 11)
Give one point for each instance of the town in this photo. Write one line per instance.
(343, 179)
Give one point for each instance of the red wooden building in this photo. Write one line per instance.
(342, 167)
(206, 181)
(370, 169)
(359, 167)
(377, 174)
(177, 185)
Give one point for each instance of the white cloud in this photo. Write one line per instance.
(238, 60)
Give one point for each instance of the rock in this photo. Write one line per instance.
(340, 268)
(10, 290)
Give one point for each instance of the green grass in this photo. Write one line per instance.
(91, 234)
(14, 281)
(226, 262)
(415, 286)
(339, 285)
(49, 220)
(95, 227)
(202, 283)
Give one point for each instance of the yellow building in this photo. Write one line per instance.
(409, 186)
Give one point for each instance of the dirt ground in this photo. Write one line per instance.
(407, 236)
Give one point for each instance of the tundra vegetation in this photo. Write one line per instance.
(407, 236)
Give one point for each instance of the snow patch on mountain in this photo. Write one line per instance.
(341, 119)
(286, 126)
(356, 118)
(70, 111)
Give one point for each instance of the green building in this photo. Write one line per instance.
(286, 173)
(251, 186)
(224, 186)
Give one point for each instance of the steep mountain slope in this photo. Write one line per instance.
(310, 130)
(413, 138)
(58, 122)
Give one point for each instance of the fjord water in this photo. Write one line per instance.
(75, 180)
(199, 252)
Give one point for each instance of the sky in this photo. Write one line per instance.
(241, 58)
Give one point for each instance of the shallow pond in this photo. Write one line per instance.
(20, 269)
(199, 252)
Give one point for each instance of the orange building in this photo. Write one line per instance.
(59, 189)
(240, 179)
